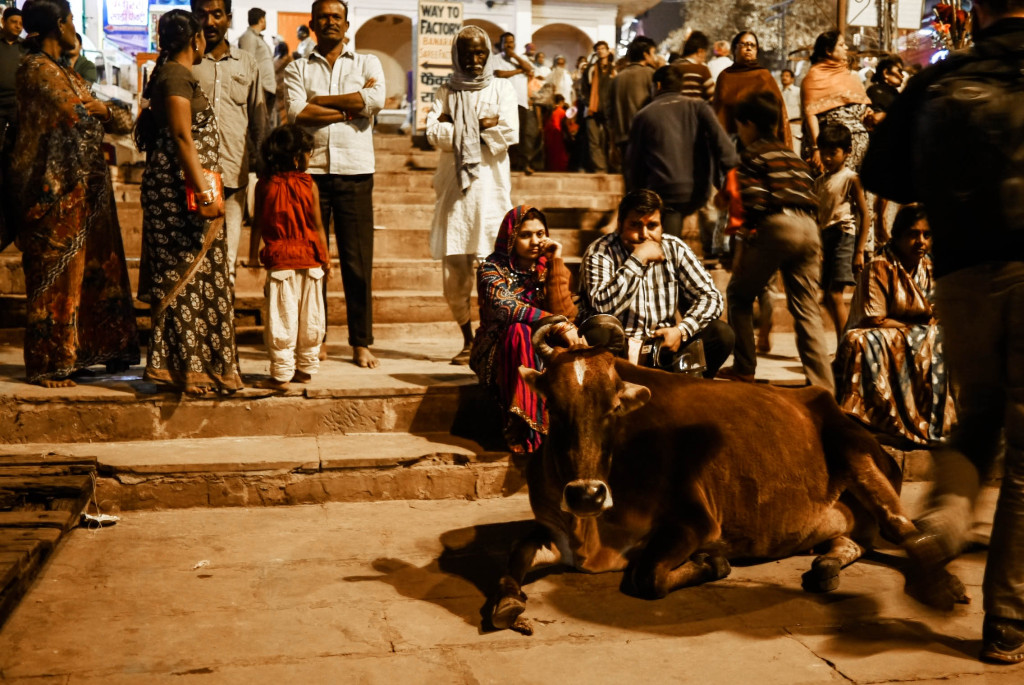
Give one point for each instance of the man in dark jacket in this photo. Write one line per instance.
(597, 91)
(953, 140)
(678, 149)
(632, 89)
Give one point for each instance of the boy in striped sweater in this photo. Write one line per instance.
(779, 233)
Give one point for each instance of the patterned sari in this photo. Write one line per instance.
(79, 309)
(185, 270)
(894, 379)
(510, 301)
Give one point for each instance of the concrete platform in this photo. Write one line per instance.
(393, 591)
(416, 428)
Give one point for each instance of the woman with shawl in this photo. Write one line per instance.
(890, 373)
(832, 94)
(744, 78)
(474, 121)
(523, 281)
(79, 309)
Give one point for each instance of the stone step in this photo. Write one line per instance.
(406, 395)
(540, 183)
(388, 274)
(275, 470)
(389, 307)
(291, 470)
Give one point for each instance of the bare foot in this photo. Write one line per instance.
(323, 351)
(364, 358)
(195, 390)
(301, 377)
(57, 383)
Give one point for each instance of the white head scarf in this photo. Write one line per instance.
(466, 136)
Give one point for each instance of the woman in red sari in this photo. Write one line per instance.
(523, 281)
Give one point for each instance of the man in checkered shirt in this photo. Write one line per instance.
(644, 279)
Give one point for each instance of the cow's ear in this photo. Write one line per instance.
(532, 378)
(632, 397)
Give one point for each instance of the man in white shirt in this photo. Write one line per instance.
(542, 70)
(791, 96)
(335, 93)
(474, 121)
(252, 42)
(306, 43)
(721, 61)
(518, 70)
(231, 80)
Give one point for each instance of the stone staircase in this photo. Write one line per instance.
(406, 281)
(416, 428)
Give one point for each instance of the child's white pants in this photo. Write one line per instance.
(294, 321)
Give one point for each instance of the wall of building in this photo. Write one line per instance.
(385, 27)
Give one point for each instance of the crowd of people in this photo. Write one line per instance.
(763, 176)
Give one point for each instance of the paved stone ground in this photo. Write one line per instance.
(393, 591)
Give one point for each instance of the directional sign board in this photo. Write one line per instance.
(865, 12)
(439, 23)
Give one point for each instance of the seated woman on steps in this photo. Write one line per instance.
(523, 281)
(890, 373)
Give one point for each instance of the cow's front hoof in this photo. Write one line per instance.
(823, 576)
(718, 566)
(640, 583)
(506, 610)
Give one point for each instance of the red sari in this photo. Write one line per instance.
(510, 301)
(556, 154)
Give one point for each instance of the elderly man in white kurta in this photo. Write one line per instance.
(473, 122)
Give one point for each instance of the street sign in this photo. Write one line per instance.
(910, 14)
(865, 13)
(439, 24)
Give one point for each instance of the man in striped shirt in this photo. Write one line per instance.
(779, 233)
(645, 279)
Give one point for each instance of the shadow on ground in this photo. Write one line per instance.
(463, 579)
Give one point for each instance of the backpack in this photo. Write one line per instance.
(972, 140)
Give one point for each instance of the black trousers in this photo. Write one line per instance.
(719, 339)
(527, 152)
(675, 213)
(349, 200)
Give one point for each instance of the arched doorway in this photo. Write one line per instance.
(493, 30)
(389, 37)
(562, 39)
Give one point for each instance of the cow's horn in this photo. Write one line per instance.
(540, 344)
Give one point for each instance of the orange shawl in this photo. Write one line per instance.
(740, 82)
(829, 84)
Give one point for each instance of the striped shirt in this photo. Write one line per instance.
(646, 297)
(773, 178)
(697, 81)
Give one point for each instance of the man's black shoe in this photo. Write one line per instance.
(1002, 640)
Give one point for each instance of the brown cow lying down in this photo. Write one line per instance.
(669, 477)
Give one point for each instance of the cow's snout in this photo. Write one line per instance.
(586, 497)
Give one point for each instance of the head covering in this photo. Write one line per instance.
(466, 121)
(830, 84)
(736, 84)
(504, 256)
